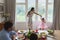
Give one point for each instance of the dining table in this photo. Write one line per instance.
(56, 35)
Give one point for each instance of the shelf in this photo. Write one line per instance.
(2, 1)
(1, 4)
(1, 12)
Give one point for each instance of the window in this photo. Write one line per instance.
(20, 13)
(20, 1)
(43, 7)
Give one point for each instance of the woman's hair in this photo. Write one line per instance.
(32, 9)
(33, 36)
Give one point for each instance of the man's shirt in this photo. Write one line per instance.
(4, 35)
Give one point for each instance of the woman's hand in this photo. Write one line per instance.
(38, 14)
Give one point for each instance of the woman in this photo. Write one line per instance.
(29, 15)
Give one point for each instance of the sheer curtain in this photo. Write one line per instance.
(10, 8)
(56, 15)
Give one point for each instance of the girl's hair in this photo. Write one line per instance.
(42, 19)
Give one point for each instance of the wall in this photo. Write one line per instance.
(24, 26)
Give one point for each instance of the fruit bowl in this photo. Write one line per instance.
(43, 35)
(50, 32)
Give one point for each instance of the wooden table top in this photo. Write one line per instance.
(57, 34)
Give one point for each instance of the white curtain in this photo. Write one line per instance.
(56, 15)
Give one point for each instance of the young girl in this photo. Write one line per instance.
(43, 25)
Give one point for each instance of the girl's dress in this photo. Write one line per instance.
(42, 25)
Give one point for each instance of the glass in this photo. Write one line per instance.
(20, 1)
(20, 13)
(41, 8)
(50, 1)
(31, 3)
(50, 13)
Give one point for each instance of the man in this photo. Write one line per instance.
(4, 34)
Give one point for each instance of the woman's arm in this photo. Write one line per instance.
(37, 14)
